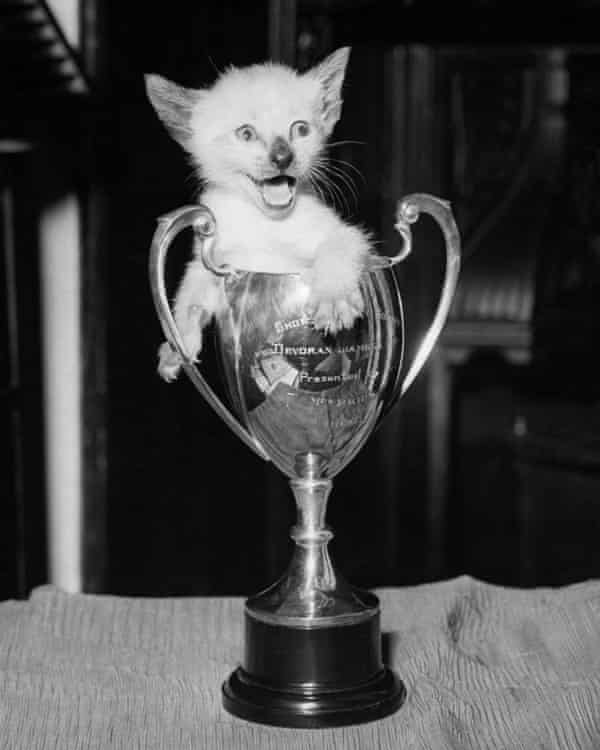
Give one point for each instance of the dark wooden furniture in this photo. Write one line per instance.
(557, 460)
(43, 92)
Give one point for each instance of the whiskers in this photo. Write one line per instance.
(333, 180)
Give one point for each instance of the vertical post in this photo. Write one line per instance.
(93, 309)
(282, 31)
(9, 389)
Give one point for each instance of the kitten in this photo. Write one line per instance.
(257, 138)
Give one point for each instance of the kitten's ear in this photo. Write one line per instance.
(330, 74)
(173, 104)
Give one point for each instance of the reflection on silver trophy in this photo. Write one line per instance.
(307, 400)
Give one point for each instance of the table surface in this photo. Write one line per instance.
(485, 667)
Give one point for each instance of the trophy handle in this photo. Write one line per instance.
(203, 222)
(407, 213)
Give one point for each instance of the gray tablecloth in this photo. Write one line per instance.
(485, 667)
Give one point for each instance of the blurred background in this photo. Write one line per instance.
(112, 481)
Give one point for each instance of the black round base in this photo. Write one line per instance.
(324, 674)
(310, 707)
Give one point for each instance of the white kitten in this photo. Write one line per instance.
(256, 137)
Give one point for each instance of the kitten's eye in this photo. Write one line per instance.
(246, 133)
(299, 129)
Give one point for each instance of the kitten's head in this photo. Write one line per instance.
(257, 130)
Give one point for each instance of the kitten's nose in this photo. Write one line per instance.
(281, 155)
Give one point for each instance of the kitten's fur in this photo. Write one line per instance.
(255, 137)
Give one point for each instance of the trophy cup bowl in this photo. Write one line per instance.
(307, 400)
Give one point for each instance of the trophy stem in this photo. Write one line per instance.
(311, 566)
(311, 593)
(311, 497)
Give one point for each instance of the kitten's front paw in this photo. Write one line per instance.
(335, 301)
(188, 323)
(169, 362)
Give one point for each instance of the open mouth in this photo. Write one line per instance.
(278, 192)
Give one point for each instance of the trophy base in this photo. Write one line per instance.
(314, 676)
(311, 707)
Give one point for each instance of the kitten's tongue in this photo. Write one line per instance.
(277, 192)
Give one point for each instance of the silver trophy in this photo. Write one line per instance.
(308, 400)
